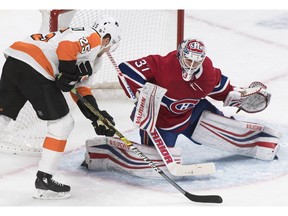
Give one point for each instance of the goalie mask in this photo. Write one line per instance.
(191, 54)
(108, 25)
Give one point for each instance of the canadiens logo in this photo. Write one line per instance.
(183, 106)
(195, 46)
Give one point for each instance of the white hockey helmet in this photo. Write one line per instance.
(108, 25)
(191, 54)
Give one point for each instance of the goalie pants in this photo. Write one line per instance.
(20, 82)
(170, 136)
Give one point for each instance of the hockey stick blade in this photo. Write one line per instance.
(204, 198)
(191, 169)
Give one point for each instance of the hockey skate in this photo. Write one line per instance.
(48, 188)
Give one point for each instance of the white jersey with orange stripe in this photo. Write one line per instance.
(43, 52)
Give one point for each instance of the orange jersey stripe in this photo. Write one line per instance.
(83, 91)
(36, 53)
(94, 40)
(54, 144)
(68, 50)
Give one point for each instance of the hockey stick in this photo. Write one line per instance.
(173, 167)
(192, 197)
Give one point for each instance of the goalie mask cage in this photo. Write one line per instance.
(143, 32)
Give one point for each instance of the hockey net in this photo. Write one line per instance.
(143, 32)
(25, 135)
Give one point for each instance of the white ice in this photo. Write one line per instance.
(247, 45)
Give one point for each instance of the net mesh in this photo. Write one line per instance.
(25, 135)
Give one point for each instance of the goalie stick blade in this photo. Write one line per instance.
(204, 198)
(192, 169)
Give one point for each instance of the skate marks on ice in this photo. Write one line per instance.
(231, 170)
(278, 22)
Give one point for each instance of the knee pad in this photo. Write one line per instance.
(61, 128)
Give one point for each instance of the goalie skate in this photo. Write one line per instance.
(48, 188)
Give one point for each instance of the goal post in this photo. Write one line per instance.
(180, 26)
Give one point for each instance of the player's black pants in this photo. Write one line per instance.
(20, 82)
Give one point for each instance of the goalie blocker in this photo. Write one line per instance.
(238, 137)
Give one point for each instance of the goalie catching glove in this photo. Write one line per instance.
(253, 99)
(99, 127)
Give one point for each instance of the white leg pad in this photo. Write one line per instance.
(111, 153)
(243, 138)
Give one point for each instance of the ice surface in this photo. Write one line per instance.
(248, 45)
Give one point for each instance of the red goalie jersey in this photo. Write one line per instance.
(181, 96)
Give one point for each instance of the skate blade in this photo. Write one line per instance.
(50, 195)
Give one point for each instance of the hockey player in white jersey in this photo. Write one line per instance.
(38, 69)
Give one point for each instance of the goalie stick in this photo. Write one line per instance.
(173, 167)
(192, 197)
